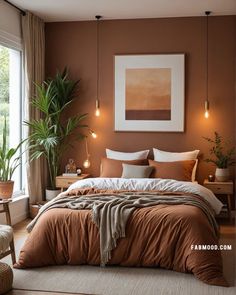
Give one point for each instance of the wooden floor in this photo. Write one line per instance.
(227, 230)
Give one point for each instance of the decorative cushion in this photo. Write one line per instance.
(113, 168)
(6, 278)
(136, 171)
(115, 155)
(6, 236)
(179, 170)
(163, 156)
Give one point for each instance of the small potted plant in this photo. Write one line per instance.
(9, 161)
(223, 158)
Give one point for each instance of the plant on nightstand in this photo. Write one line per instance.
(51, 135)
(9, 161)
(223, 158)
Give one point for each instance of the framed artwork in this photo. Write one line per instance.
(149, 92)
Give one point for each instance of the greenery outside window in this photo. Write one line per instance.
(11, 106)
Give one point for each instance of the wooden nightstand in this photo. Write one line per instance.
(222, 188)
(65, 181)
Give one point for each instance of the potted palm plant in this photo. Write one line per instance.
(9, 161)
(223, 158)
(49, 135)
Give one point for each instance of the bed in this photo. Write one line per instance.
(160, 235)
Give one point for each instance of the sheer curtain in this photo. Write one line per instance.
(34, 65)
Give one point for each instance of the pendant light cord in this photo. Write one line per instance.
(98, 17)
(86, 147)
(207, 57)
(207, 14)
(97, 56)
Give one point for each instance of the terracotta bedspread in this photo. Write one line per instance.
(158, 236)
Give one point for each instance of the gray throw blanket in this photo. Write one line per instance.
(110, 212)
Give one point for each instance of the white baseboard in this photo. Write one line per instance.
(19, 218)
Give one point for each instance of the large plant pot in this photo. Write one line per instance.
(222, 174)
(6, 189)
(51, 194)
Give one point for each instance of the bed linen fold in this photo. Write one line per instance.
(110, 212)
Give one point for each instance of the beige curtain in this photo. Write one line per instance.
(34, 65)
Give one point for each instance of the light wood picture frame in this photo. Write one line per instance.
(149, 93)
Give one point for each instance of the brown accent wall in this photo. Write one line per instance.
(73, 44)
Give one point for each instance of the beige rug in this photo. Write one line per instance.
(123, 281)
(113, 280)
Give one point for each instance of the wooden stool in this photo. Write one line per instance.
(6, 278)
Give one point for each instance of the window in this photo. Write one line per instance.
(11, 104)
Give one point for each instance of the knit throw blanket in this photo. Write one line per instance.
(110, 212)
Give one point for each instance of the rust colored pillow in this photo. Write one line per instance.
(179, 170)
(113, 168)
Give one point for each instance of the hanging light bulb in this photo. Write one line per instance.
(206, 114)
(97, 111)
(86, 163)
(93, 134)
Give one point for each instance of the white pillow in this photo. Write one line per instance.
(126, 156)
(163, 156)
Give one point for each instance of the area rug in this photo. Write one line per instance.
(113, 281)
(122, 280)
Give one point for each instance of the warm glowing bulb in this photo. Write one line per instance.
(97, 112)
(86, 163)
(206, 109)
(206, 114)
(93, 134)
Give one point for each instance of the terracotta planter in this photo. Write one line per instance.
(222, 174)
(51, 194)
(6, 189)
(34, 208)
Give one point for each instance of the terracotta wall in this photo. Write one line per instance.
(73, 44)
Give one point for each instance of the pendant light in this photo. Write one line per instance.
(97, 111)
(87, 163)
(93, 134)
(207, 104)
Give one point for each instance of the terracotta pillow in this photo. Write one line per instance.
(179, 170)
(113, 168)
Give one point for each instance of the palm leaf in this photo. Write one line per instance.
(49, 135)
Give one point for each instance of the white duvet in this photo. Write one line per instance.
(150, 184)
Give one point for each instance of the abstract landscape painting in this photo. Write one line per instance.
(149, 92)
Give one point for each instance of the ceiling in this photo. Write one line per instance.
(75, 10)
